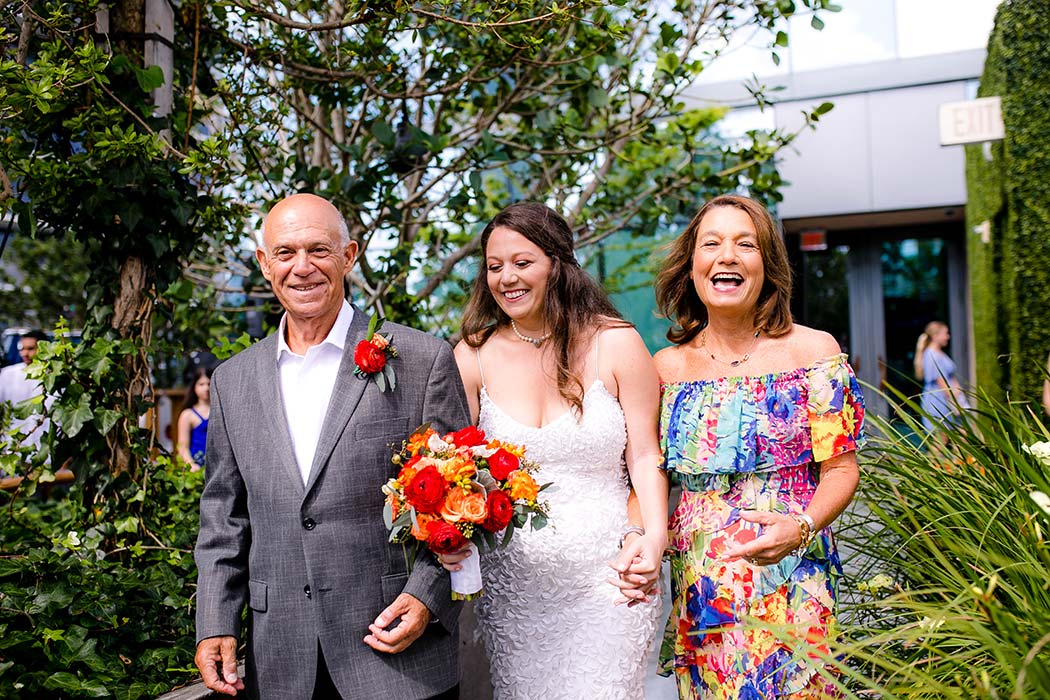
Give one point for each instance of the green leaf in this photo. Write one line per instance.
(388, 515)
(383, 133)
(96, 358)
(598, 97)
(67, 681)
(391, 378)
(26, 219)
(817, 23)
(668, 63)
(106, 420)
(824, 108)
(72, 418)
(782, 39)
(149, 78)
(539, 521)
(380, 381)
(373, 324)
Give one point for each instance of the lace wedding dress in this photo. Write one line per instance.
(546, 616)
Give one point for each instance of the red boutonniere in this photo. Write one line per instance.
(371, 356)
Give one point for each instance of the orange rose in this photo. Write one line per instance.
(452, 508)
(419, 528)
(474, 507)
(463, 504)
(523, 486)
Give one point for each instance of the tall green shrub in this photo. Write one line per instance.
(1010, 274)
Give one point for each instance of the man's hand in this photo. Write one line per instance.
(414, 619)
(216, 659)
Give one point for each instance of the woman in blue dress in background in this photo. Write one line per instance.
(193, 420)
(942, 395)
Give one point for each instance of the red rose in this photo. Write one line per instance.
(468, 437)
(444, 538)
(369, 358)
(501, 510)
(502, 463)
(426, 491)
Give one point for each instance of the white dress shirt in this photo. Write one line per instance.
(15, 387)
(306, 385)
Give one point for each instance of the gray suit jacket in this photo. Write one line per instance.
(313, 564)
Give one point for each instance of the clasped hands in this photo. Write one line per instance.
(638, 568)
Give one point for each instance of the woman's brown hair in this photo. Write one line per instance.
(676, 296)
(573, 306)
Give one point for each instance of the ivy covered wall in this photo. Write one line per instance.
(1010, 193)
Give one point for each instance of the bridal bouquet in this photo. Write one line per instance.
(461, 489)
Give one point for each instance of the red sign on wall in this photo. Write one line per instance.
(812, 240)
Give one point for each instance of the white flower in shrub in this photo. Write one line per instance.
(1039, 450)
(879, 582)
(930, 624)
(1041, 500)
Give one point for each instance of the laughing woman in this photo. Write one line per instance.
(760, 420)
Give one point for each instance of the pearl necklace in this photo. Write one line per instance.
(734, 363)
(536, 342)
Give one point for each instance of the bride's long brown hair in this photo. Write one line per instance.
(573, 306)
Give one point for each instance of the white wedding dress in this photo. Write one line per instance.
(546, 616)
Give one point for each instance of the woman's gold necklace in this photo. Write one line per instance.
(734, 363)
(536, 342)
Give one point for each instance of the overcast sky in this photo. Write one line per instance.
(864, 31)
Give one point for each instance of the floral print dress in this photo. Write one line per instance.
(738, 630)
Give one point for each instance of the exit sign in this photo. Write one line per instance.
(972, 121)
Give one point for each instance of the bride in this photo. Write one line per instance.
(547, 363)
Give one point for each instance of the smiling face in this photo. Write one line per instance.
(304, 257)
(727, 270)
(517, 274)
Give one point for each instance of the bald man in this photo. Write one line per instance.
(291, 512)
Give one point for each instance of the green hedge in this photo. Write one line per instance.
(1010, 275)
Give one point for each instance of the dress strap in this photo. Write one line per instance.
(197, 414)
(477, 353)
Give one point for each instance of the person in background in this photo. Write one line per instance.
(193, 420)
(942, 396)
(760, 422)
(15, 387)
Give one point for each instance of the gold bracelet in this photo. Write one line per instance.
(806, 531)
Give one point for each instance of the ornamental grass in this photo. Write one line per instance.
(947, 588)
